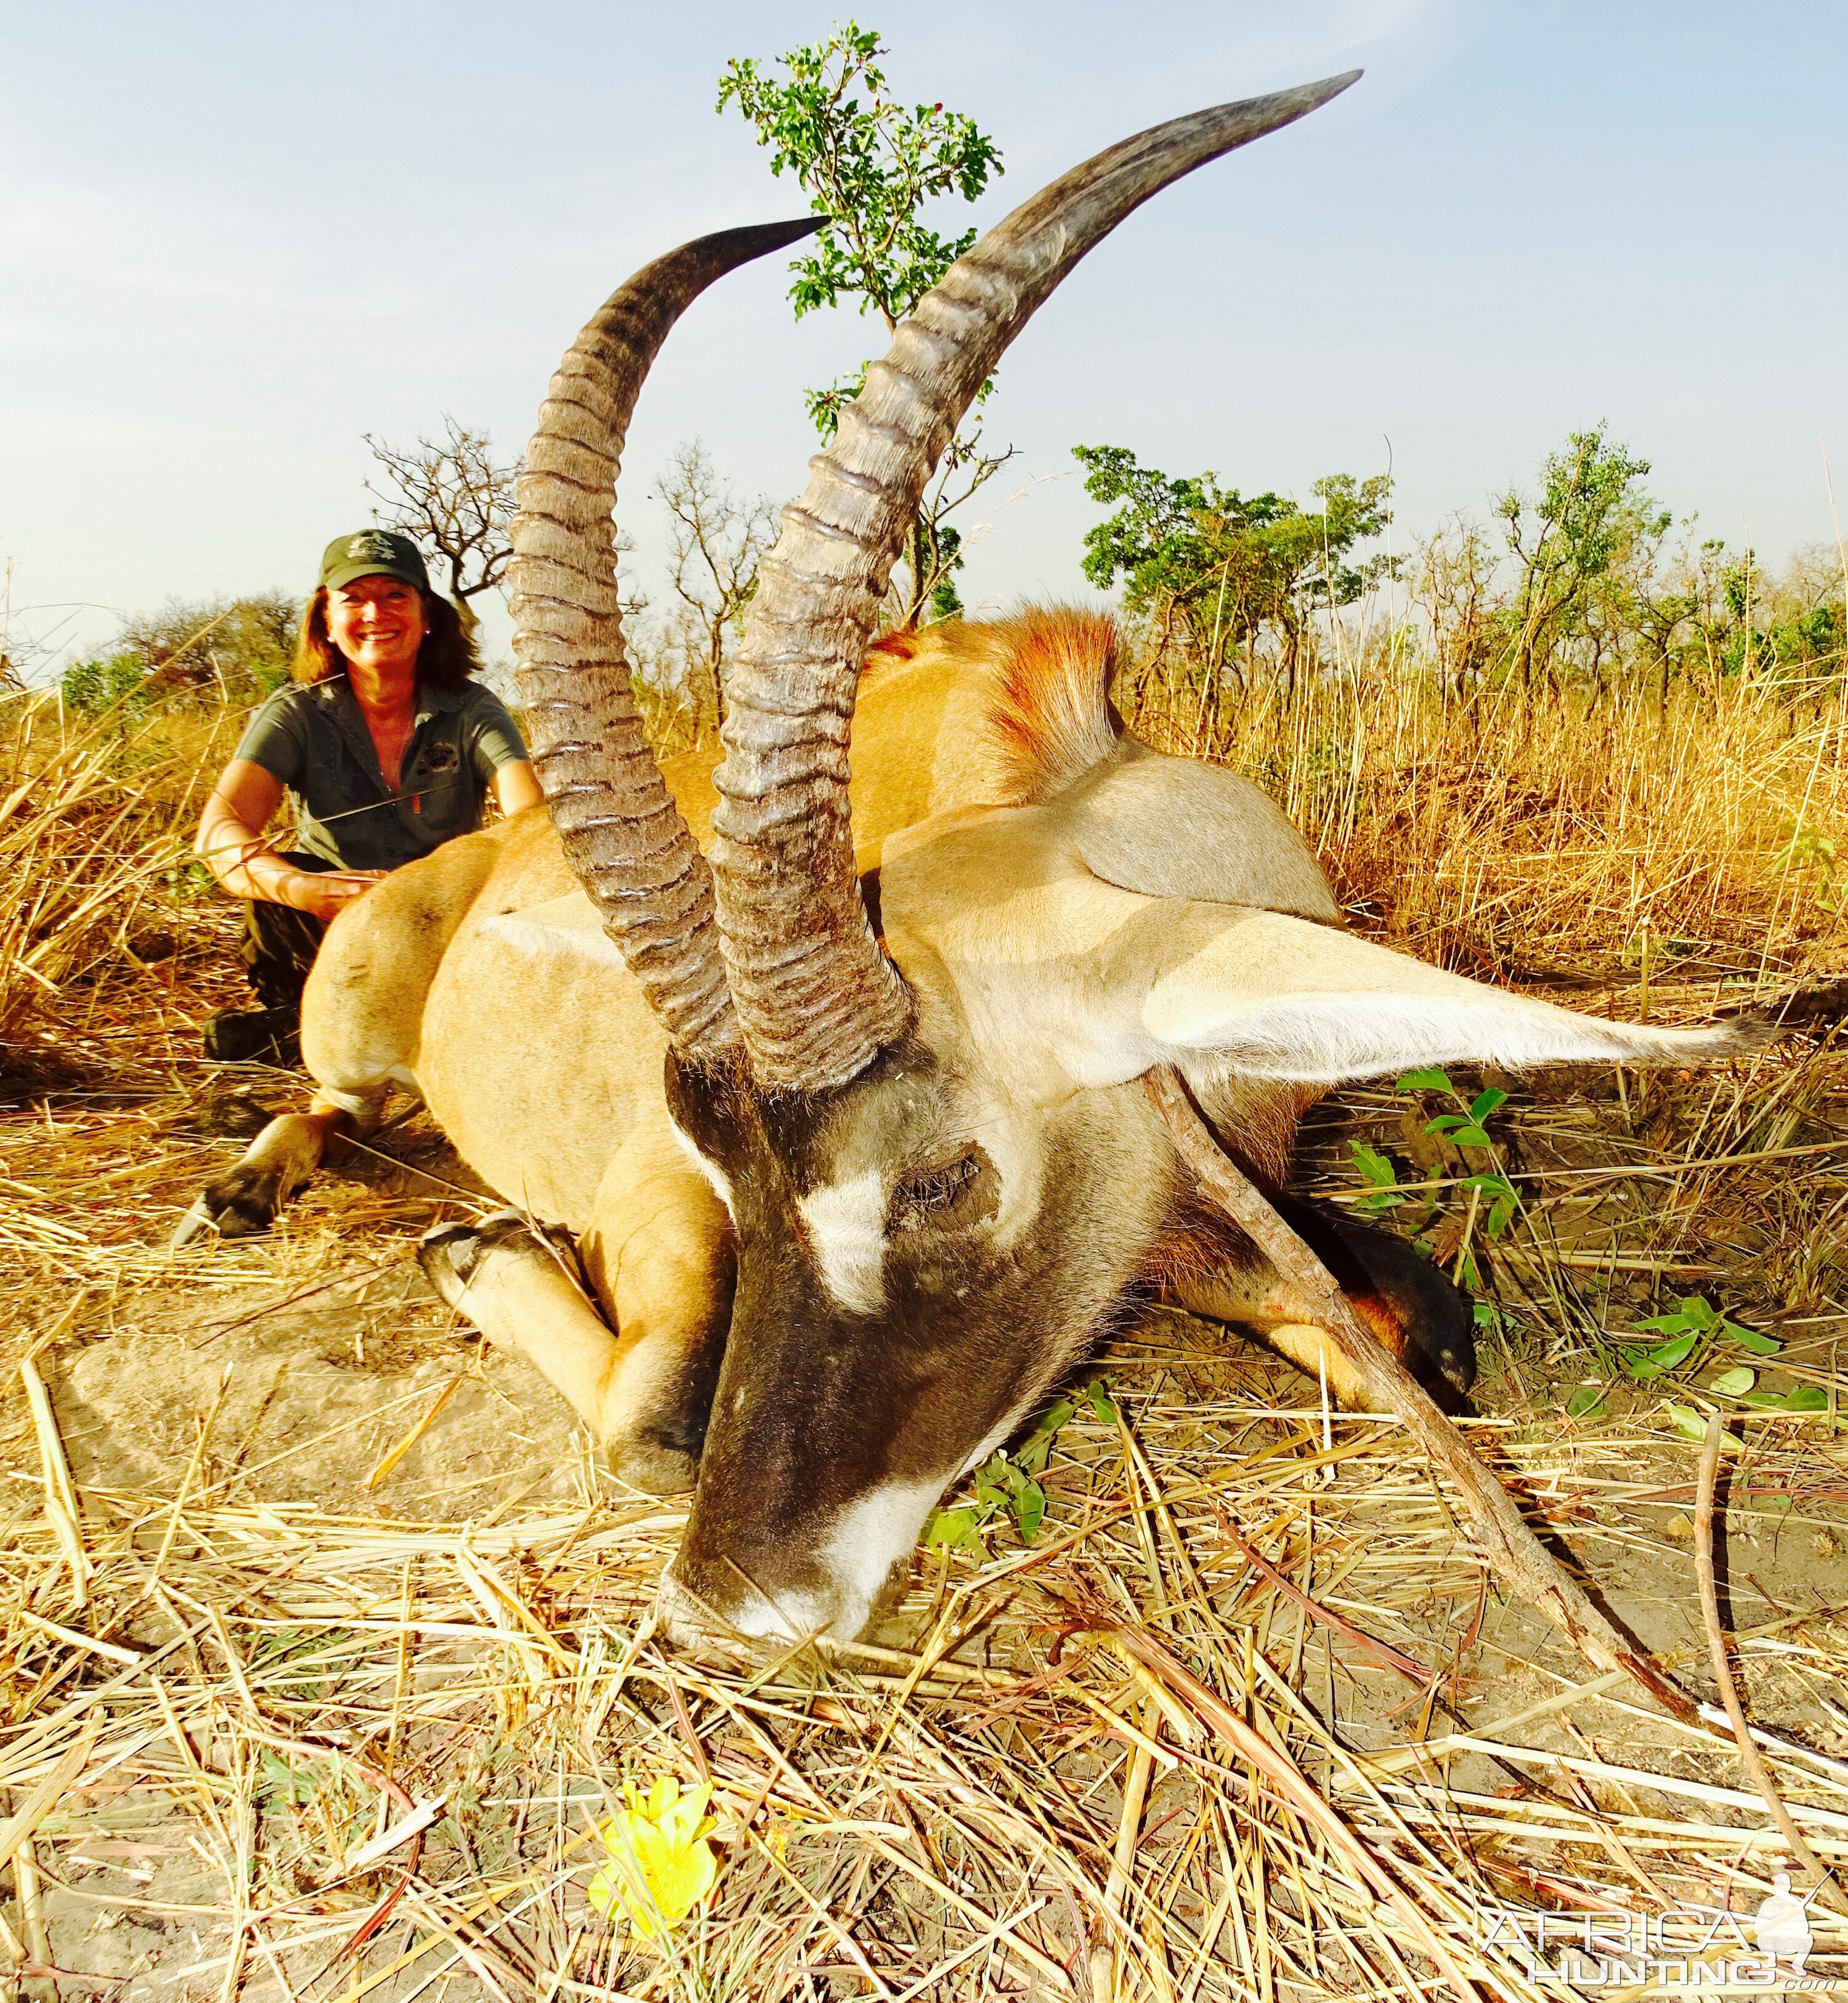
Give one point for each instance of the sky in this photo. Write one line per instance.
(234, 239)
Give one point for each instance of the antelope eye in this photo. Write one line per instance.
(946, 1196)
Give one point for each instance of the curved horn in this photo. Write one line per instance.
(815, 997)
(624, 836)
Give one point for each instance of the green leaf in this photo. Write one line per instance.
(1805, 1398)
(1100, 1402)
(1749, 1338)
(956, 1528)
(1443, 1122)
(1586, 1403)
(1486, 1102)
(1500, 1211)
(1689, 1422)
(1734, 1383)
(1696, 1313)
(1378, 1172)
(1467, 1136)
(1428, 1080)
(1053, 1417)
(1644, 1364)
(1029, 1509)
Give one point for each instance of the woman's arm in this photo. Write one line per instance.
(232, 845)
(516, 785)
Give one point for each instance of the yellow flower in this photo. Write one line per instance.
(660, 1863)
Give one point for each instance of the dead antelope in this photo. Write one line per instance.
(836, 1081)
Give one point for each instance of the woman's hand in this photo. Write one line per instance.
(232, 844)
(324, 894)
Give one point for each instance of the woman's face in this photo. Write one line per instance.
(377, 623)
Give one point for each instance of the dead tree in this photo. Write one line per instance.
(453, 500)
(717, 539)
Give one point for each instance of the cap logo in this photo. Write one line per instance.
(371, 546)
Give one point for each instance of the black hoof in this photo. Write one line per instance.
(449, 1254)
(1436, 1314)
(241, 1205)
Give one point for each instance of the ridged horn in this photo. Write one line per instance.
(815, 997)
(623, 837)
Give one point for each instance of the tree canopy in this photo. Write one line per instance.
(1213, 568)
(868, 164)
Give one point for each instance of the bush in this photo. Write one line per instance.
(240, 647)
(92, 686)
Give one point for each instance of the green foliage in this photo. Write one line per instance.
(1575, 542)
(1222, 567)
(946, 603)
(1693, 1316)
(1008, 1485)
(1379, 1175)
(238, 649)
(868, 164)
(1691, 1332)
(1496, 1200)
(1808, 851)
(90, 687)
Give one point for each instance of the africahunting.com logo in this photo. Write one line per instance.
(1683, 1949)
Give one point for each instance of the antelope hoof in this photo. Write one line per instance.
(450, 1253)
(241, 1205)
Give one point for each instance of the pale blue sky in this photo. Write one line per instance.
(233, 238)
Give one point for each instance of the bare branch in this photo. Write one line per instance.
(451, 498)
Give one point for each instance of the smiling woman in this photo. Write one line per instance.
(387, 749)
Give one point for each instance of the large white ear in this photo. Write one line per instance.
(1280, 998)
(1107, 982)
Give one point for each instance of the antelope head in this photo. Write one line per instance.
(942, 1172)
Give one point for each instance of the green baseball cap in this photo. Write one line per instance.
(372, 553)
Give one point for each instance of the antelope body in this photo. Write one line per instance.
(848, 1196)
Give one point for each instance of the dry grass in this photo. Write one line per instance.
(1556, 838)
(1127, 1759)
(97, 820)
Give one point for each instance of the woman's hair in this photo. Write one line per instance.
(445, 660)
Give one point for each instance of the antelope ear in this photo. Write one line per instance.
(1276, 996)
(1107, 982)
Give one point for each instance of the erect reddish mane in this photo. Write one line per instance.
(1053, 721)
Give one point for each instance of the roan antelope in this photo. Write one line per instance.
(836, 1082)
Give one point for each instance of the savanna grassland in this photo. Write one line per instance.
(1201, 1690)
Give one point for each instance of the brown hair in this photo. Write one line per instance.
(445, 660)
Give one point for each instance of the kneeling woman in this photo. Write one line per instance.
(387, 748)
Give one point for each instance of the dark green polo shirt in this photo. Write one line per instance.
(314, 739)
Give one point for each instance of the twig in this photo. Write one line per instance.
(1415, 1671)
(61, 1499)
(1135, 1787)
(1518, 1555)
(1729, 1695)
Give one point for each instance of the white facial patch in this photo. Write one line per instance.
(868, 1538)
(846, 1226)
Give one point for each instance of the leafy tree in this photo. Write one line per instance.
(455, 504)
(1573, 543)
(239, 648)
(868, 164)
(1212, 569)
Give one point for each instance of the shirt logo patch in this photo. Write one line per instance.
(438, 758)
